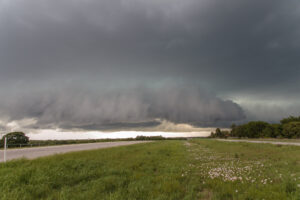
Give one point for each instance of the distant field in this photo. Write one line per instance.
(193, 169)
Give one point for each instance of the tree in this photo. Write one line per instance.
(240, 131)
(251, 130)
(218, 132)
(233, 131)
(225, 134)
(288, 128)
(291, 130)
(15, 138)
(290, 119)
(268, 132)
(255, 129)
(277, 130)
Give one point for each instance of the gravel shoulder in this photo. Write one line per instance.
(31, 153)
(259, 141)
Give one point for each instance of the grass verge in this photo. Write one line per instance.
(193, 169)
(142, 171)
(246, 170)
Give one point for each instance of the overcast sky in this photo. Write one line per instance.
(119, 64)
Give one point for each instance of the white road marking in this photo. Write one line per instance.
(264, 142)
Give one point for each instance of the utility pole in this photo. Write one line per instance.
(5, 147)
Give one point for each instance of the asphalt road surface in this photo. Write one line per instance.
(35, 152)
(256, 141)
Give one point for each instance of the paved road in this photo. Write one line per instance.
(36, 152)
(256, 141)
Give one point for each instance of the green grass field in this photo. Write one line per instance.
(193, 169)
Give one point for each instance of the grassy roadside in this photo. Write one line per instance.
(246, 170)
(142, 171)
(193, 169)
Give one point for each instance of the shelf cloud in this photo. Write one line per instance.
(127, 108)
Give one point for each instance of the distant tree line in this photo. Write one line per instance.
(141, 137)
(158, 137)
(19, 139)
(287, 128)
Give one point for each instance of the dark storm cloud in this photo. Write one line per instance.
(234, 41)
(232, 48)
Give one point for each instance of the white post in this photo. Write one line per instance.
(5, 147)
